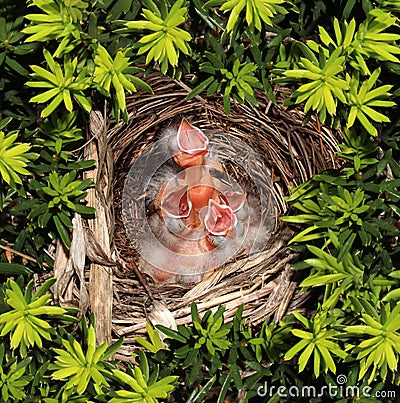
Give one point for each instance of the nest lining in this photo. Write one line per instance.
(264, 284)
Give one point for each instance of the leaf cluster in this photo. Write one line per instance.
(14, 158)
(225, 357)
(231, 76)
(143, 386)
(39, 362)
(167, 40)
(23, 321)
(339, 85)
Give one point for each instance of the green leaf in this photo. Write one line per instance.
(296, 349)
(319, 280)
(64, 235)
(81, 209)
(392, 295)
(17, 67)
(171, 333)
(345, 249)
(163, 46)
(13, 269)
(200, 88)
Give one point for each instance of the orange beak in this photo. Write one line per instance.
(192, 145)
(219, 219)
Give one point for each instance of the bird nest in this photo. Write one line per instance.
(285, 153)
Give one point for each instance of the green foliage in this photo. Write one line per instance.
(342, 58)
(60, 132)
(167, 40)
(327, 66)
(335, 208)
(59, 200)
(208, 334)
(257, 12)
(368, 41)
(205, 341)
(15, 56)
(379, 351)
(320, 341)
(350, 261)
(155, 343)
(118, 72)
(74, 30)
(347, 234)
(340, 277)
(14, 158)
(13, 377)
(240, 82)
(360, 152)
(362, 98)
(344, 35)
(78, 367)
(64, 85)
(61, 367)
(230, 76)
(145, 387)
(354, 203)
(13, 269)
(324, 88)
(10, 46)
(64, 189)
(60, 20)
(238, 361)
(23, 322)
(289, 58)
(272, 341)
(29, 222)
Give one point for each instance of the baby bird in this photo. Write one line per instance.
(219, 222)
(175, 257)
(238, 203)
(219, 219)
(174, 208)
(189, 145)
(235, 225)
(199, 221)
(236, 200)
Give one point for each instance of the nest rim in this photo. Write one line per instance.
(292, 152)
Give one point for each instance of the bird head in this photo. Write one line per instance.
(177, 203)
(218, 218)
(237, 201)
(191, 145)
(176, 206)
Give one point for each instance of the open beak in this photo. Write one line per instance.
(219, 219)
(191, 139)
(235, 200)
(177, 204)
(192, 145)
